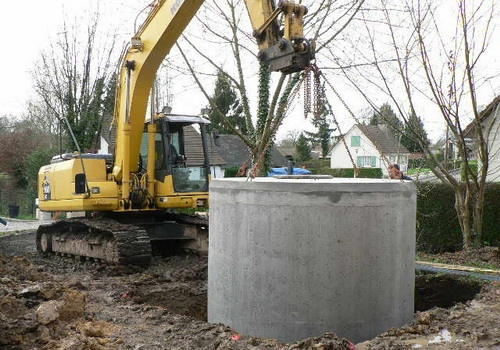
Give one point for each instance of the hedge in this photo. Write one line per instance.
(11, 196)
(473, 167)
(315, 164)
(231, 171)
(373, 173)
(438, 229)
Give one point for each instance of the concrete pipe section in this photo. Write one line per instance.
(295, 258)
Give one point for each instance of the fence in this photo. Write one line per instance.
(17, 203)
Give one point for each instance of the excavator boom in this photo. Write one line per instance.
(155, 38)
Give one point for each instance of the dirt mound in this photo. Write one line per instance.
(38, 312)
(58, 303)
(473, 325)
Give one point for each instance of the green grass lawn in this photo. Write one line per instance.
(414, 171)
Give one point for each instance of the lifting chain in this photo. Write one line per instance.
(318, 94)
(307, 91)
(316, 106)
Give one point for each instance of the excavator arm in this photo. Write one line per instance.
(285, 50)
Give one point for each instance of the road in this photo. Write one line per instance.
(15, 225)
(430, 177)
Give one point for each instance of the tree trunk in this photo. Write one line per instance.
(462, 206)
(477, 215)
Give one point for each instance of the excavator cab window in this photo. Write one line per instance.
(186, 161)
(160, 160)
(180, 151)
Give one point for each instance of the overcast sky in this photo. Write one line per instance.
(28, 26)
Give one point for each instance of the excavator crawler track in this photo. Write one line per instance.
(102, 239)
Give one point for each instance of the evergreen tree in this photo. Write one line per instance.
(386, 115)
(322, 136)
(227, 102)
(303, 149)
(414, 130)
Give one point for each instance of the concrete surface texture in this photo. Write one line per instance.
(291, 259)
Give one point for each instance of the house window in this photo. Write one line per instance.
(366, 161)
(355, 141)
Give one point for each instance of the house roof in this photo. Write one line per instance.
(287, 151)
(439, 143)
(384, 141)
(291, 151)
(234, 152)
(482, 116)
(194, 149)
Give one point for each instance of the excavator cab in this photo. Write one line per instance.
(181, 161)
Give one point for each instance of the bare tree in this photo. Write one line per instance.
(73, 81)
(231, 33)
(19, 140)
(414, 61)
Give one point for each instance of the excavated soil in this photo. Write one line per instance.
(484, 257)
(57, 303)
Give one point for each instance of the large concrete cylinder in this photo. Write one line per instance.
(295, 258)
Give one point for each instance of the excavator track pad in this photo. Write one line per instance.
(103, 239)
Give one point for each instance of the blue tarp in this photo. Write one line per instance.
(284, 171)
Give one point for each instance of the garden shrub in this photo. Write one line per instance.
(315, 164)
(491, 219)
(417, 163)
(438, 229)
(373, 173)
(473, 167)
(231, 171)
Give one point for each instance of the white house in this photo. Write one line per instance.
(492, 126)
(370, 146)
(490, 123)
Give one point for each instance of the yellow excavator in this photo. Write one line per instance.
(158, 165)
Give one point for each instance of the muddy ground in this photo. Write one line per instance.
(57, 303)
(485, 257)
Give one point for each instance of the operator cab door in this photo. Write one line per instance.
(181, 155)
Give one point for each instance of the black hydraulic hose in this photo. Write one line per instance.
(87, 187)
